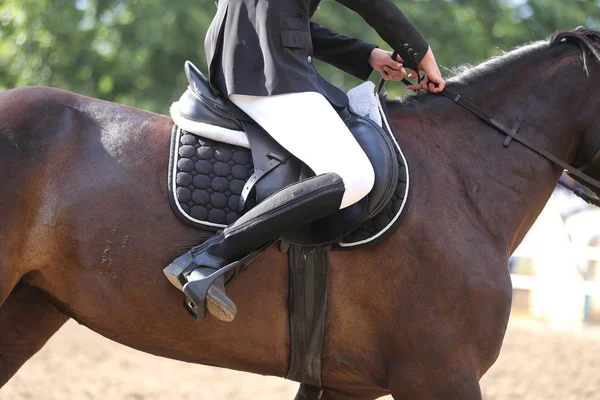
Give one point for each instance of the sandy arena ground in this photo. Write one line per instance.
(537, 362)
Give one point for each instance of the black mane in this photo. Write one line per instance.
(465, 77)
(588, 41)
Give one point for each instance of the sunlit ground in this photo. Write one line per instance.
(537, 362)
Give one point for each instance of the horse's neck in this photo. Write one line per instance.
(505, 188)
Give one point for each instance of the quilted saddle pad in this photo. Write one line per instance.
(206, 179)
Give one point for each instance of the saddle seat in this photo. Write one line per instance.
(200, 111)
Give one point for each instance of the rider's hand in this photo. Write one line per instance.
(433, 82)
(390, 70)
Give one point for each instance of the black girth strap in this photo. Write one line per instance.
(308, 272)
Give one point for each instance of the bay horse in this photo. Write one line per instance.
(87, 229)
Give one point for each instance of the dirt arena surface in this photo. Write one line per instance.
(537, 362)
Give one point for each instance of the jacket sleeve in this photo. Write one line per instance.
(393, 27)
(346, 53)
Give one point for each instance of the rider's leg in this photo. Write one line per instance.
(307, 126)
(320, 136)
(289, 208)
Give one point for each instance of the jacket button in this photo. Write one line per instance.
(410, 50)
(309, 59)
(416, 55)
(406, 45)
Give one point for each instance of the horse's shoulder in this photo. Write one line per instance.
(26, 109)
(34, 97)
(29, 95)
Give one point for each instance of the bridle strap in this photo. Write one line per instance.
(511, 133)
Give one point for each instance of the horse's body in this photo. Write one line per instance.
(87, 228)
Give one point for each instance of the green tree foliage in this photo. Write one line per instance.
(132, 51)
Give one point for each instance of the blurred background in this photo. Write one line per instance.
(132, 52)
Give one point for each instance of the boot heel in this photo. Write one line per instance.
(176, 271)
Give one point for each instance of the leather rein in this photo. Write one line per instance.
(512, 134)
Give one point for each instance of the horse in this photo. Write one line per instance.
(87, 229)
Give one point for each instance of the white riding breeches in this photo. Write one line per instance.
(308, 126)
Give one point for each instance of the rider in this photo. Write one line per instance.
(259, 54)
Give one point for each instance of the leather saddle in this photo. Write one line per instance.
(275, 167)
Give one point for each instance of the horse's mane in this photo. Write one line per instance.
(588, 41)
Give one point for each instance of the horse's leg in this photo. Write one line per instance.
(27, 320)
(23, 189)
(308, 392)
(458, 386)
(459, 383)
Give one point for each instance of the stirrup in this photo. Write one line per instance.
(197, 286)
(184, 274)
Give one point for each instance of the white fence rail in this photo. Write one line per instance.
(529, 282)
(533, 283)
(559, 251)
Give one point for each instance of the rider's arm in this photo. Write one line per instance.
(346, 53)
(393, 27)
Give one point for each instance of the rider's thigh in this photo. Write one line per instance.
(310, 128)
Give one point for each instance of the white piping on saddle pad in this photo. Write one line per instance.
(214, 132)
(361, 99)
(399, 213)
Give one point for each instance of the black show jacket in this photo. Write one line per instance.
(265, 47)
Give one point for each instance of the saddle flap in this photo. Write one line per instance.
(380, 151)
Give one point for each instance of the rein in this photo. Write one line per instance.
(512, 134)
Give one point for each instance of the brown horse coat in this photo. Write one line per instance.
(86, 230)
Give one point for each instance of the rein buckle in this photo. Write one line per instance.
(510, 133)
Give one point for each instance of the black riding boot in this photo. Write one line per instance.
(199, 272)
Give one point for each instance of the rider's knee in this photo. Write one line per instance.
(359, 179)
